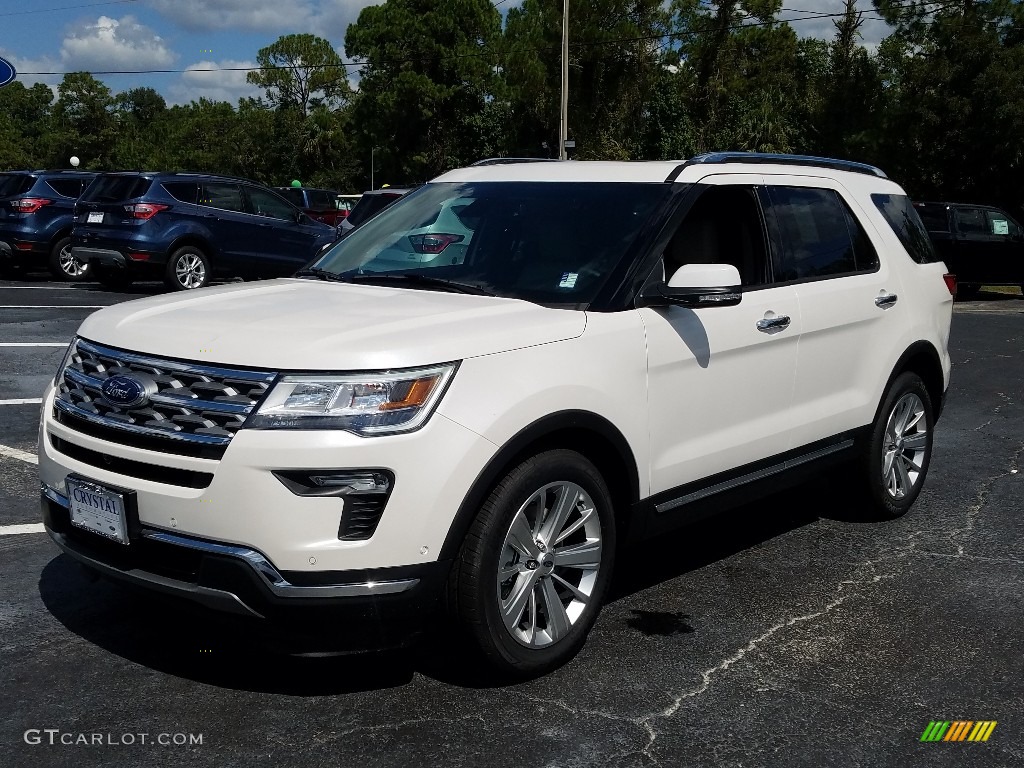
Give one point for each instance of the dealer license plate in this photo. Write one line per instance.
(95, 218)
(97, 509)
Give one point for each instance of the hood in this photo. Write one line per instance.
(297, 324)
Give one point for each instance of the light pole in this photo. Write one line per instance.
(371, 166)
(563, 129)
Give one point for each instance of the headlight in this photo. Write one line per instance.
(364, 403)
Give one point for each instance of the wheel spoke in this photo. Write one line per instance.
(887, 462)
(559, 513)
(916, 442)
(575, 526)
(583, 556)
(558, 620)
(581, 596)
(904, 478)
(520, 537)
(909, 463)
(512, 608)
(911, 423)
(531, 617)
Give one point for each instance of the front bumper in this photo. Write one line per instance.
(240, 580)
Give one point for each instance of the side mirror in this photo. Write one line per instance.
(697, 285)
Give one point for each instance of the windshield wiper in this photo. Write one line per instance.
(322, 274)
(424, 280)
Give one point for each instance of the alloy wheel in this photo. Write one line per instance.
(549, 564)
(904, 446)
(190, 271)
(69, 265)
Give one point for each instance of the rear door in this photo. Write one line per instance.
(977, 253)
(849, 303)
(222, 211)
(284, 244)
(1008, 248)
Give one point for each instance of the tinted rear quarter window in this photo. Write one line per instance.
(369, 206)
(183, 191)
(14, 183)
(934, 217)
(817, 241)
(319, 200)
(902, 216)
(66, 187)
(114, 189)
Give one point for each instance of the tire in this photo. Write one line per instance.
(64, 266)
(895, 460)
(967, 291)
(536, 639)
(112, 279)
(187, 269)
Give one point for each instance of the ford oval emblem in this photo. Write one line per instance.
(124, 391)
(7, 72)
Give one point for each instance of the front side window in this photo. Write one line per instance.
(1001, 225)
(817, 240)
(900, 214)
(268, 204)
(227, 197)
(548, 242)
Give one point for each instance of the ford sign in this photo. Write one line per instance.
(7, 72)
(124, 391)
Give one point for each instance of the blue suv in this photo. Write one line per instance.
(36, 216)
(188, 228)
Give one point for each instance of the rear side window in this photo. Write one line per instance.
(66, 187)
(320, 200)
(227, 197)
(900, 214)
(114, 189)
(971, 221)
(820, 236)
(14, 184)
(183, 191)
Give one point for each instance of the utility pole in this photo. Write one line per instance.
(563, 130)
(371, 166)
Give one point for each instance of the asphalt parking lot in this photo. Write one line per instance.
(785, 634)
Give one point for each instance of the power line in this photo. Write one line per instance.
(67, 7)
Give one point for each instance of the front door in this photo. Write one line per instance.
(721, 378)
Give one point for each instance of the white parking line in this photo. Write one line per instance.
(53, 306)
(41, 288)
(23, 401)
(33, 344)
(7, 530)
(15, 453)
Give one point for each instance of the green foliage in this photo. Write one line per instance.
(301, 72)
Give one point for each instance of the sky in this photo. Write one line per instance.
(186, 35)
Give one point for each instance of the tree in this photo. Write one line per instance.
(301, 72)
(429, 74)
(83, 123)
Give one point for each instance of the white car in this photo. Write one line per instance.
(480, 438)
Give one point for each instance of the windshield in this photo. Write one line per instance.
(369, 206)
(547, 242)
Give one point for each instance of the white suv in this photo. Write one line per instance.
(480, 434)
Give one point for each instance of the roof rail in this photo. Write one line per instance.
(512, 160)
(765, 158)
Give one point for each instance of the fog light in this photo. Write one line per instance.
(365, 493)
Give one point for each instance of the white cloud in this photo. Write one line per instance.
(113, 44)
(872, 30)
(42, 64)
(226, 82)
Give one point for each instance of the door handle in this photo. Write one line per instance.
(773, 323)
(886, 300)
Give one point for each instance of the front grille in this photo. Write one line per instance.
(186, 478)
(195, 410)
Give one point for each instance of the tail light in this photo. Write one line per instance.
(433, 243)
(29, 204)
(145, 210)
(950, 279)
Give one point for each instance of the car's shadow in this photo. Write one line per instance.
(991, 295)
(188, 641)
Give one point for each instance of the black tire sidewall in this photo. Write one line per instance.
(55, 268)
(171, 276)
(881, 501)
(479, 562)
